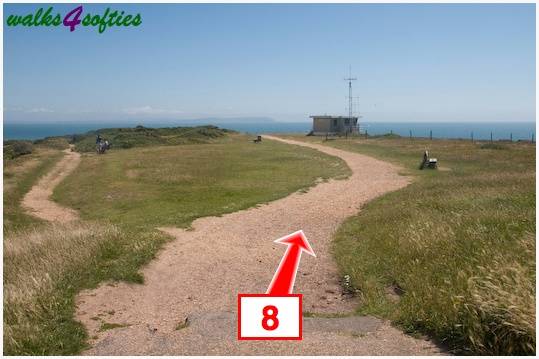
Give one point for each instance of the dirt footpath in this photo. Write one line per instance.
(38, 202)
(188, 302)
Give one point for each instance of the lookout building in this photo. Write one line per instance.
(338, 125)
(334, 125)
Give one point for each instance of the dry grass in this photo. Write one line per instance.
(459, 244)
(501, 305)
(36, 264)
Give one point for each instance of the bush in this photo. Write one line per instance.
(16, 148)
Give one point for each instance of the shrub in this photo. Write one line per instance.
(16, 148)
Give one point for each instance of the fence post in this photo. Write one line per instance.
(472, 136)
(511, 136)
(533, 138)
(410, 135)
(490, 136)
(391, 132)
(430, 135)
(366, 133)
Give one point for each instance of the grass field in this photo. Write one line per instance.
(453, 254)
(171, 186)
(122, 197)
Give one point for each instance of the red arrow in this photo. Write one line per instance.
(285, 276)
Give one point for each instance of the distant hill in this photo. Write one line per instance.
(205, 121)
(224, 120)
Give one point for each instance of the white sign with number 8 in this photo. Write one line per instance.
(269, 317)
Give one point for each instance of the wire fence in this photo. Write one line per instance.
(431, 135)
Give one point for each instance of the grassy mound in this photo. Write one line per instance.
(143, 136)
(58, 143)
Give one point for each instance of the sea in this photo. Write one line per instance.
(464, 130)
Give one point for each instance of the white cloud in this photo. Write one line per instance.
(39, 110)
(28, 110)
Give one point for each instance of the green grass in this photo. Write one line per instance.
(182, 325)
(458, 241)
(122, 197)
(171, 186)
(325, 315)
(108, 326)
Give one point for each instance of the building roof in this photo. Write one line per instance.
(333, 117)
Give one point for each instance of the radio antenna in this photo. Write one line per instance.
(350, 98)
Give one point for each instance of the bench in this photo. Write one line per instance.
(428, 162)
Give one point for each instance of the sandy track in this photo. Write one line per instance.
(37, 201)
(200, 273)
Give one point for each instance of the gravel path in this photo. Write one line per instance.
(196, 279)
(37, 201)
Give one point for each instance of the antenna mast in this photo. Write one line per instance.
(350, 98)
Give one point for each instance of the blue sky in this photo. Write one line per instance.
(439, 63)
